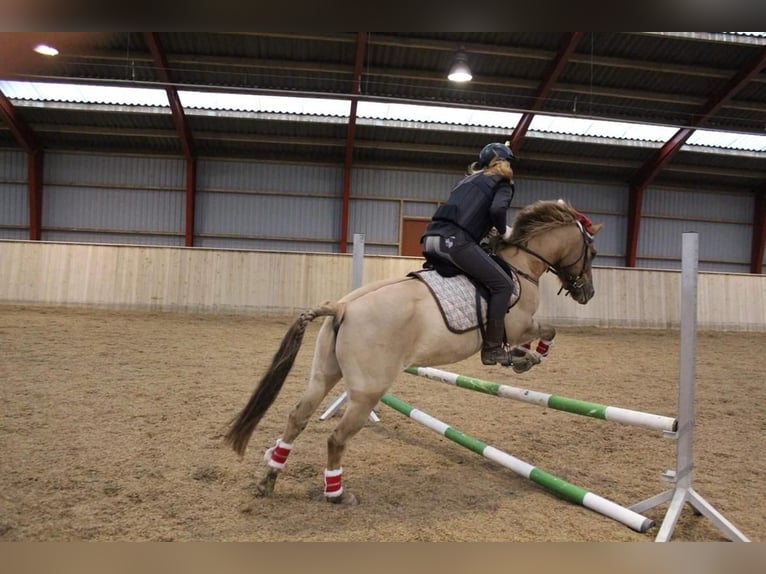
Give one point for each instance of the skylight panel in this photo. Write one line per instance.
(84, 93)
(259, 103)
(728, 140)
(437, 114)
(601, 128)
(506, 121)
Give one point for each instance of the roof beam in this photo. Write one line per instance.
(649, 171)
(163, 70)
(569, 44)
(651, 168)
(118, 56)
(500, 83)
(382, 39)
(756, 175)
(21, 131)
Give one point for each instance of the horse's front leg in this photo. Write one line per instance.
(265, 485)
(523, 357)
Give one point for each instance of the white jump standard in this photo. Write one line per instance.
(682, 490)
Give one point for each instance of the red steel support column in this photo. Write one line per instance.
(348, 159)
(35, 187)
(635, 201)
(25, 137)
(191, 184)
(182, 129)
(758, 242)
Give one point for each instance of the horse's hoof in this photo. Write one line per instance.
(523, 360)
(261, 492)
(265, 486)
(345, 499)
(247, 508)
(521, 366)
(264, 490)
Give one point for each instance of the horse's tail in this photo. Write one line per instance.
(242, 427)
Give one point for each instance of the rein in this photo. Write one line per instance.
(524, 274)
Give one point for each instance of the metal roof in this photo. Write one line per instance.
(671, 79)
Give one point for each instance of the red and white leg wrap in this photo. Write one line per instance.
(276, 456)
(333, 483)
(543, 347)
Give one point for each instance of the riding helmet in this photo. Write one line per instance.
(494, 150)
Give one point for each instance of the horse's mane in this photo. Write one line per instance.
(540, 217)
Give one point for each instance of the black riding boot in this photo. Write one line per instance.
(493, 351)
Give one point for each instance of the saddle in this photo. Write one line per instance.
(461, 300)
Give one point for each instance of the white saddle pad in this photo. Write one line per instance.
(456, 297)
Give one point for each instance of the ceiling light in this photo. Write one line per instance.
(46, 50)
(460, 72)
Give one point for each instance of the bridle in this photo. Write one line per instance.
(569, 281)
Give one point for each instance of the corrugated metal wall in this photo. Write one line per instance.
(418, 195)
(14, 198)
(723, 221)
(260, 218)
(113, 199)
(379, 222)
(419, 209)
(383, 197)
(221, 175)
(283, 207)
(395, 184)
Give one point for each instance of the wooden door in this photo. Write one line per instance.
(412, 230)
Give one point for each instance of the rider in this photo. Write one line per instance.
(477, 203)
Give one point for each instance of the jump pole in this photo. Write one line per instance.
(682, 490)
(553, 483)
(585, 408)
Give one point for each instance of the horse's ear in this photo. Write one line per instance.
(595, 228)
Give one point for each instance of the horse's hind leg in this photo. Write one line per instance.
(354, 418)
(325, 373)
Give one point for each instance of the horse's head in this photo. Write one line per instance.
(562, 238)
(577, 278)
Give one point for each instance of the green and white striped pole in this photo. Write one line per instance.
(588, 409)
(557, 485)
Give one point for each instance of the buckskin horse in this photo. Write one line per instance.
(376, 331)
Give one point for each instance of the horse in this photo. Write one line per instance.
(376, 331)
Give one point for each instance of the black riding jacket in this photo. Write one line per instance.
(477, 203)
